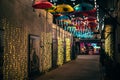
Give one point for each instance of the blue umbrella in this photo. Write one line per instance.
(63, 17)
(83, 7)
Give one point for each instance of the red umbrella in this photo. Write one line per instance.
(92, 24)
(42, 5)
(81, 26)
(90, 18)
(92, 12)
(86, 13)
(57, 15)
(77, 21)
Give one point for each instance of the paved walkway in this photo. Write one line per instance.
(85, 67)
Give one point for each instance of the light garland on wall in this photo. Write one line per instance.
(15, 53)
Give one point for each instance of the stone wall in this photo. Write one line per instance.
(19, 20)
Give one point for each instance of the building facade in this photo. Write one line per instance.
(26, 41)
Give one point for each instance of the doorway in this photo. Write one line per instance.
(34, 55)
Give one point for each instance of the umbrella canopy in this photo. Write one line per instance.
(85, 13)
(62, 17)
(51, 9)
(91, 21)
(92, 24)
(90, 18)
(61, 20)
(42, 5)
(57, 15)
(92, 12)
(77, 21)
(67, 21)
(83, 7)
(64, 8)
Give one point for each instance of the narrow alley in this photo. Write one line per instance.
(59, 39)
(85, 67)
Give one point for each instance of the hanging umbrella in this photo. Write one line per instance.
(63, 17)
(57, 15)
(51, 9)
(92, 24)
(67, 21)
(83, 7)
(91, 12)
(78, 21)
(90, 18)
(60, 20)
(42, 5)
(85, 13)
(62, 8)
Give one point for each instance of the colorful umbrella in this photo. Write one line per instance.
(85, 13)
(83, 7)
(57, 15)
(90, 18)
(42, 5)
(61, 20)
(92, 24)
(92, 12)
(67, 21)
(62, 8)
(63, 17)
(77, 21)
(52, 9)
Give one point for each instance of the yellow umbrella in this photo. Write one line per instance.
(67, 21)
(52, 9)
(62, 8)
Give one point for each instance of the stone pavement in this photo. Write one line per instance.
(85, 67)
